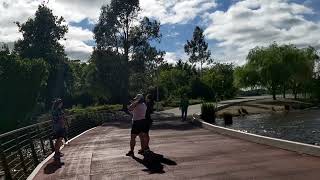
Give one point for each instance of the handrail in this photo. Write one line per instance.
(21, 129)
(22, 149)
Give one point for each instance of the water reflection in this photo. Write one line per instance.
(300, 126)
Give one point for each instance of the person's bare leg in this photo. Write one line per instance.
(133, 141)
(141, 140)
(57, 146)
(144, 144)
(147, 141)
(57, 153)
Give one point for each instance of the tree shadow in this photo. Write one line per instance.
(118, 124)
(52, 167)
(158, 124)
(154, 163)
(174, 125)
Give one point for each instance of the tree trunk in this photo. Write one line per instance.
(126, 46)
(125, 90)
(305, 94)
(201, 69)
(284, 91)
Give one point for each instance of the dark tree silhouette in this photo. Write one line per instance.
(41, 36)
(197, 48)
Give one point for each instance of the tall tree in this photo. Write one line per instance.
(268, 62)
(106, 77)
(280, 67)
(197, 48)
(118, 30)
(41, 36)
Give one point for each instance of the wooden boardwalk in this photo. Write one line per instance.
(190, 153)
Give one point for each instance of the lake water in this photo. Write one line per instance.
(300, 126)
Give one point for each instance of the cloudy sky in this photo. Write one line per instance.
(232, 27)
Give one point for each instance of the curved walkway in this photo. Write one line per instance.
(189, 153)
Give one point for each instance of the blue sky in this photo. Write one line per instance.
(232, 27)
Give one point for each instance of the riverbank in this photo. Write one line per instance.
(264, 106)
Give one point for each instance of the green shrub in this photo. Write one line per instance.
(176, 102)
(208, 112)
(91, 109)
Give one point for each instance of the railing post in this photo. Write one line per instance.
(5, 164)
(67, 127)
(33, 151)
(51, 143)
(22, 160)
(2, 175)
(42, 146)
(41, 141)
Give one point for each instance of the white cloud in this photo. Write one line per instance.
(12, 11)
(72, 10)
(251, 23)
(75, 45)
(77, 49)
(175, 11)
(172, 34)
(77, 10)
(171, 57)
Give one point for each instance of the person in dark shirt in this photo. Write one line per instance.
(150, 104)
(184, 103)
(58, 121)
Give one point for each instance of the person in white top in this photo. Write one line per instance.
(139, 125)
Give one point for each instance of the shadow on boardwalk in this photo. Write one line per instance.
(155, 164)
(199, 153)
(158, 124)
(52, 167)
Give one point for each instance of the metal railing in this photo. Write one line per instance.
(23, 149)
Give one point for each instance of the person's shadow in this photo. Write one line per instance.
(52, 167)
(154, 163)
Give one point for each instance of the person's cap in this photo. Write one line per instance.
(138, 97)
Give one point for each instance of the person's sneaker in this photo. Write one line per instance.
(142, 151)
(147, 151)
(56, 157)
(130, 153)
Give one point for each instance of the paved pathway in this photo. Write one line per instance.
(190, 153)
(196, 109)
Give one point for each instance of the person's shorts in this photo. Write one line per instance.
(140, 126)
(59, 133)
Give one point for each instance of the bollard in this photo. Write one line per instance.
(227, 117)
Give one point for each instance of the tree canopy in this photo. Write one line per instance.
(41, 36)
(197, 48)
(120, 30)
(278, 68)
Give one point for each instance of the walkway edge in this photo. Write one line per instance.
(39, 166)
(279, 143)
